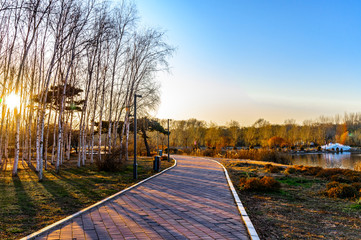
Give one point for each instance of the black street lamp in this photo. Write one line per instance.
(135, 164)
(168, 142)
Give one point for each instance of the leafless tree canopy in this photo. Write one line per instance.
(76, 66)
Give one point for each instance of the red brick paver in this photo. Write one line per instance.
(190, 201)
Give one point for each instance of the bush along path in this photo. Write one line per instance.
(191, 201)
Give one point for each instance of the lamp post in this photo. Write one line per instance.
(168, 142)
(135, 164)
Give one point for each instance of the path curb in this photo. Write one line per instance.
(50, 227)
(247, 221)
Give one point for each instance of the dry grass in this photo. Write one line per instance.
(265, 155)
(300, 209)
(341, 190)
(263, 184)
(272, 169)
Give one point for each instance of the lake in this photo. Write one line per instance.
(329, 160)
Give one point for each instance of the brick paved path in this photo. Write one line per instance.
(190, 201)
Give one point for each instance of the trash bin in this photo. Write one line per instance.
(156, 163)
(160, 152)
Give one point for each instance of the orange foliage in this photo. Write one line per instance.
(344, 137)
(276, 142)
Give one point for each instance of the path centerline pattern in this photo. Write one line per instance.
(190, 201)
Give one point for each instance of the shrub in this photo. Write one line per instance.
(173, 150)
(308, 170)
(313, 170)
(355, 179)
(153, 153)
(270, 184)
(110, 162)
(209, 153)
(267, 166)
(264, 155)
(343, 190)
(276, 142)
(299, 168)
(253, 154)
(256, 184)
(242, 181)
(290, 170)
(357, 186)
(251, 184)
(333, 174)
(340, 178)
(328, 173)
(272, 156)
(164, 157)
(186, 151)
(332, 185)
(272, 169)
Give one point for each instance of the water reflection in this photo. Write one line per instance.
(329, 160)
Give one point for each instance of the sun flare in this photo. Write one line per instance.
(12, 101)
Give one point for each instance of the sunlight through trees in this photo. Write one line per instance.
(66, 66)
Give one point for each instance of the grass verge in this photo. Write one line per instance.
(27, 205)
(300, 209)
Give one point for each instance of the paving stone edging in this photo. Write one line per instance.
(50, 227)
(247, 221)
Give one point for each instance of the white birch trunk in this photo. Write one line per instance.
(6, 148)
(92, 144)
(110, 137)
(100, 136)
(85, 142)
(17, 143)
(54, 139)
(69, 137)
(38, 139)
(60, 132)
(40, 175)
(122, 136)
(29, 140)
(47, 141)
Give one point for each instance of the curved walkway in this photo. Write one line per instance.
(190, 201)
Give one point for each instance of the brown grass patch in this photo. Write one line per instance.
(298, 210)
(259, 184)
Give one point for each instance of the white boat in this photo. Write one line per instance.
(335, 146)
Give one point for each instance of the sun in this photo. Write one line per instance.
(12, 101)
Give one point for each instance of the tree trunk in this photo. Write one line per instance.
(69, 136)
(127, 142)
(38, 126)
(92, 143)
(3, 115)
(109, 137)
(40, 175)
(54, 139)
(122, 136)
(17, 143)
(144, 135)
(47, 141)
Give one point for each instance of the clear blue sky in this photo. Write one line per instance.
(244, 60)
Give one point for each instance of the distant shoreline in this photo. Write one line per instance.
(321, 152)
